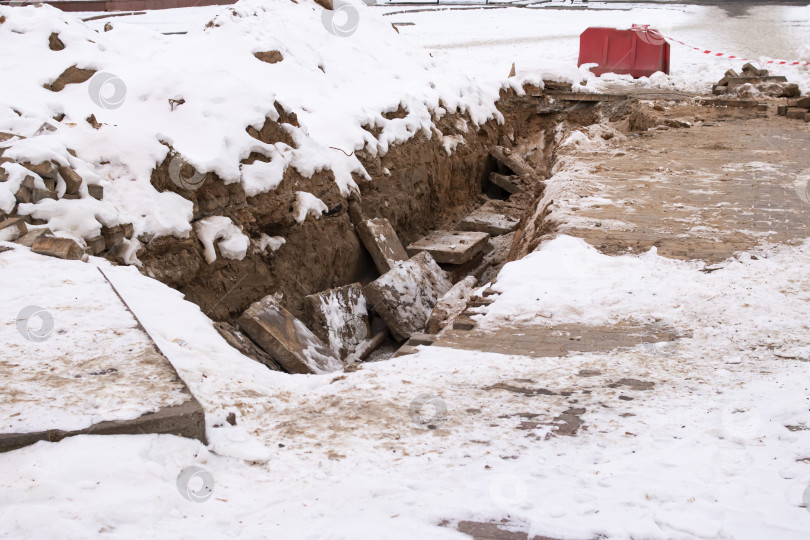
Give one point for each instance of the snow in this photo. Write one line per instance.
(334, 85)
(706, 453)
(307, 204)
(233, 243)
(87, 362)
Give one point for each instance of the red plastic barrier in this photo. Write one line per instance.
(639, 52)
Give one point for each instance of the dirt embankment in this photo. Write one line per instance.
(416, 185)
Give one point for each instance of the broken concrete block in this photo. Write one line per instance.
(514, 162)
(245, 345)
(286, 339)
(23, 194)
(488, 219)
(96, 245)
(753, 71)
(339, 317)
(795, 113)
(382, 243)
(72, 180)
(803, 103)
(96, 191)
(42, 194)
(404, 296)
(63, 248)
(719, 89)
(781, 110)
(45, 169)
(510, 184)
(450, 247)
(113, 236)
(807, 117)
(450, 306)
(28, 238)
(11, 229)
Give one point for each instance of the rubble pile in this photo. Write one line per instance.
(796, 109)
(753, 80)
(57, 180)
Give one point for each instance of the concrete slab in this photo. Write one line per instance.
(515, 163)
(339, 317)
(448, 247)
(489, 219)
(382, 242)
(286, 339)
(76, 361)
(511, 184)
(404, 297)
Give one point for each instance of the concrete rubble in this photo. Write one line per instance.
(760, 79)
(405, 296)
(339, 317)
(448, 247)
(286, 339)
(381, 241)
(489, 219)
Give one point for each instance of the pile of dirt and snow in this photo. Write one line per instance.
(115, 104)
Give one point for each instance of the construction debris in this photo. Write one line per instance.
(63, 248)
(759, 79)
(11, 229)
(339, 317)
(381, 241)
(405, 296)
(796, 109)
(489, 219)
(448, 247)
(286, 339)
(450, 305)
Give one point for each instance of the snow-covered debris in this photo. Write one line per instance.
(122, 100)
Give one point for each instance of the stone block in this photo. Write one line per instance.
(382, 242)
(405, 296)
(510, 184)
(339, 317)
(113, 236)
(96, 245)
(450, 306)
(11, 229)
(488, 219)
(448, 247)
(72, 180)
(796, 113)
(286, 339)
(96, 191)
(28, 238)
(63, 248)
(45, 169)
(42, 194)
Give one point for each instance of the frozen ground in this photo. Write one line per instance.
(715, 448)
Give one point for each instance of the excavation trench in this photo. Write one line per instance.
(417, 186)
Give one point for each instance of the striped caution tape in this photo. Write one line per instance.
(724, 55)
(654, 37)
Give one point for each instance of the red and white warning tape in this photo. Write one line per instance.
(654, 37)
(719, 54)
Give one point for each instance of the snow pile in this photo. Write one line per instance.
(198, 92)
(233, 243)
(569, 281)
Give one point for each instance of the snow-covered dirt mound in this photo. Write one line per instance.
(112, 105)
